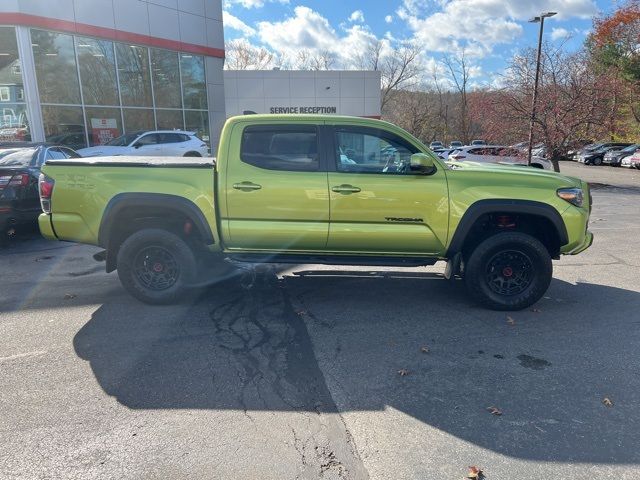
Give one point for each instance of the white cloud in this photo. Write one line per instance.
(308, 30)
(388, 18)
(479, 25)
(235, 23)
(357, 16)
(251, 3)
(559, 33)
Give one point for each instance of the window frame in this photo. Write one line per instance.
(321, 143)
(371, 131)
(3, 90)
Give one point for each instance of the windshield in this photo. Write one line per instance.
(16, 157)
(630, 149)
(595, 146)
(123, 140)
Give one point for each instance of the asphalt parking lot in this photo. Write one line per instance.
(296, 373)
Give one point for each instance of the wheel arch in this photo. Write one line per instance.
(529, 208)
(145, 208)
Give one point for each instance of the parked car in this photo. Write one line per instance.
(73, 140)
(272, 196)
(478, 142)
(594, 156)
(19, 171)
(456, 144)
(443, 152)
(632, 161)
(614, 157)
(497, 154)
(436, 144)
(160, 143)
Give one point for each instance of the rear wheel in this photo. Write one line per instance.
(156, 266)
(508, 271)
(597, 161)
(192, 154)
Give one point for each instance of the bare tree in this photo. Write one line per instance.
(399, 67)
(241, 55)
(310, 60)
(458, 69)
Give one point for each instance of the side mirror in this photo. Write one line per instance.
(422, 163)
(137, 145)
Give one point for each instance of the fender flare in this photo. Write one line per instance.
(163, 201)
(482, 207)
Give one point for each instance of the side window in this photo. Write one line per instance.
(150, 139)
(185, 138)
(68, 153)
(281, 147)
(170, 138)
(55, 154)
(369, 150)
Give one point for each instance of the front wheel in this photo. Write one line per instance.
(508, 271)
(156, 266)
(597, 161)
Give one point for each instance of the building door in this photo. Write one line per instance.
(277, 194)
(378, 205)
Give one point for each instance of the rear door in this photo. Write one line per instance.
(172, 144)
(378, 205)
(276, 188)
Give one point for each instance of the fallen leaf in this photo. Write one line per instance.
(494, 411)
(69, 296)
(535, 310)
(607, 402)
(475, 473)
(424, 349)
(403, 372)
(511, 321)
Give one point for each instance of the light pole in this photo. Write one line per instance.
(535, 85)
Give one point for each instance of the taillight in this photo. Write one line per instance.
(45, 186)
(19, 180)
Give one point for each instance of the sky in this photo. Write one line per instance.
(489, 31)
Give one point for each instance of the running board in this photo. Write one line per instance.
(355, 260)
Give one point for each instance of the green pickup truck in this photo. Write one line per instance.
(317, 189)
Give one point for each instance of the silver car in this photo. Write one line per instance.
(497, 154)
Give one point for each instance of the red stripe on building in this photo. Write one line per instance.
(27, 20)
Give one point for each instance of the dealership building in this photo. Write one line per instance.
(82, 72)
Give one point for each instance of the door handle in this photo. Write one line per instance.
(247, 186)
(345, 188)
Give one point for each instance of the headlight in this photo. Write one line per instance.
(572, 195)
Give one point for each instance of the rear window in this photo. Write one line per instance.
(281, 147)
(16, 157)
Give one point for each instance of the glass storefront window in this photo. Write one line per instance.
(14, 125)
(64, 126)
(136, 119)
(133, 72)
(169, 120)
(56, 71)
(197, 121)
(193, 81)
(166, 78)
(104, 124)
(97, 71)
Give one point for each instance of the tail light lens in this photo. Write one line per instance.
(45, 186)
(18, 180)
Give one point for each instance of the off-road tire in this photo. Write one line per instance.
(531, 261)
(173, 263)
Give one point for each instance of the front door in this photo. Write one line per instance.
(378, 205)
(277, 196)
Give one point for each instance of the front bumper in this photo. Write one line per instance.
(586, 243)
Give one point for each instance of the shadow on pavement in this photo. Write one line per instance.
(266, 348)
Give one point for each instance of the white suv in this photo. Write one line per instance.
(162, 143)
(497, 154)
